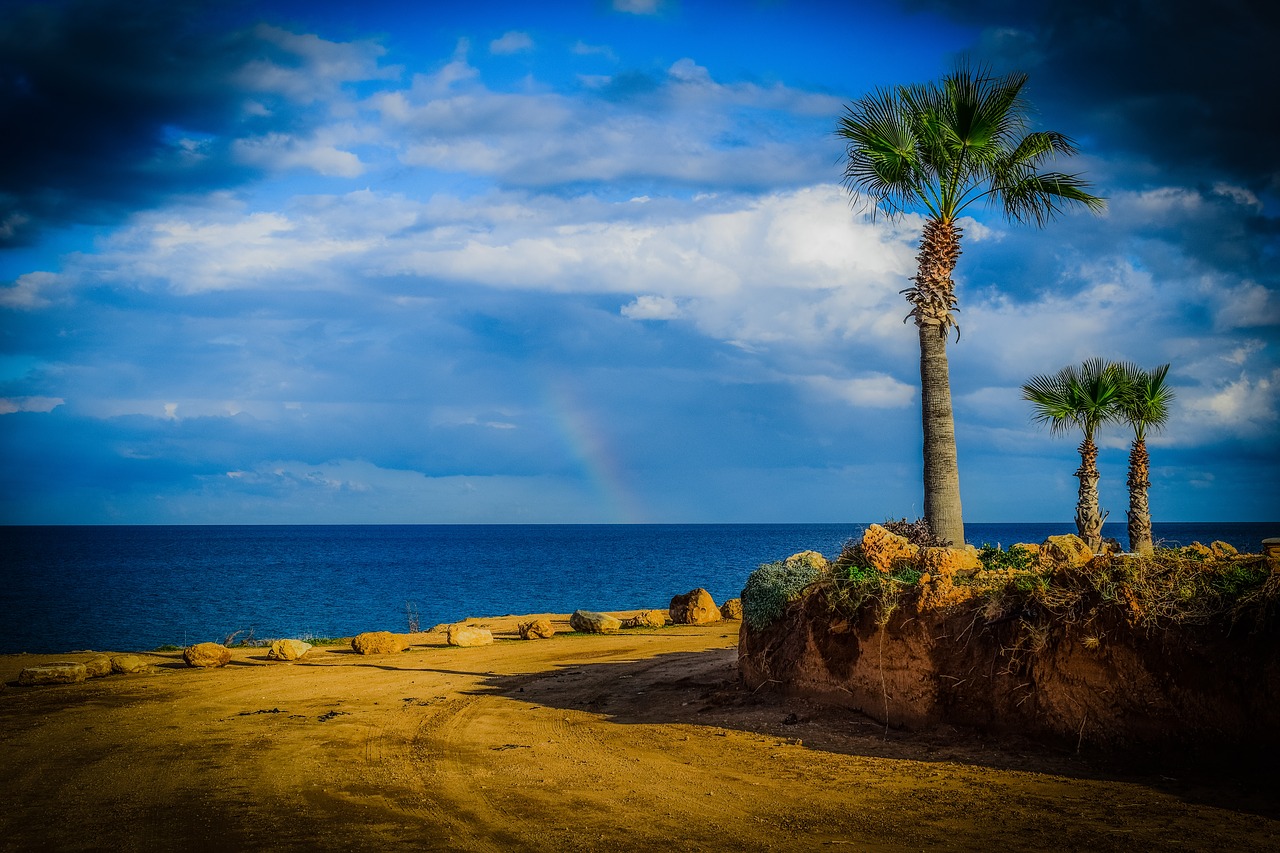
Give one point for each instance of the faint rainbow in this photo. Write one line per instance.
(589, 446)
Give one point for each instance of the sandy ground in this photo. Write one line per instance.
(635, 741)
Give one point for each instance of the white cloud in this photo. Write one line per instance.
(319, 69)
(638, 7)
(279, 151)
(873, 391)
(649, 307)
(28, 291)
(511, 42)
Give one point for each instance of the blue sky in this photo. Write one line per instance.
(293, 262)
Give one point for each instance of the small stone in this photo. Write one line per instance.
(378, 643)
(695, 607)
(59, 672)
(732, 609)
(1222, 549)
(538, 629)
(287, 650)
(591, 622)
(207, 655)
(127, 664)
(469, 636)
(646, 619)
(98, 666)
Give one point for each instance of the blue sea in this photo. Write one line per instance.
(132, 588)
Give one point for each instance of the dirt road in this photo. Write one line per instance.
(639, 740)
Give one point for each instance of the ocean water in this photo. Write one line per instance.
(132, 588)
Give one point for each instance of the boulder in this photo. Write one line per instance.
(60, 672)
(646, 619)
(538, 629)
(732, 609)
(126, 664)
(695, 607)
(207, 655)
(1064, 552)
(807, 560)
(468, 636)
(378, 643)
(947, 562)
(590, 622)
(287, 650)
(98, 666)
(883, 549)
(1222, 549)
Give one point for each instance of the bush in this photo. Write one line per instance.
(916, 532)
(1016, 558)
(772, 587)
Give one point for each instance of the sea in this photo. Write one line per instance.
(133, 588)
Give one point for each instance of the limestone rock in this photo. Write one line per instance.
(695, 607)
(538, 629)
(807, 560)
(60, 672)
(1198, 549)
(288, 650)
(1222, 549)
(378, 643)
(126, 664)
(732, 609)
(590, 622)
(98, 666)
(947, 562)
(207, 655)
(646, 619)
(1064, 552)
(883, 549)
(1026, 546)
(469, 636)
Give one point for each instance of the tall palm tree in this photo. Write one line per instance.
(1083, 397)
(940, 147)
(1144, 405)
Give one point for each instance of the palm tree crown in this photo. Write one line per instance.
(1146, 398)
(1083, 397)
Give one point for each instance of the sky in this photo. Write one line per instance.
(275, 261)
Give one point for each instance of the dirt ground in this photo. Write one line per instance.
(639, 740)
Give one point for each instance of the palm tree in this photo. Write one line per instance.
(940, 147)
(1083, 397)
(1144, 405)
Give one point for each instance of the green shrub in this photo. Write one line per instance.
(994, 559)
(771, 588)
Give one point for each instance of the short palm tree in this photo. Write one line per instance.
(939, 147)
(1144, 405)
(1083, 397)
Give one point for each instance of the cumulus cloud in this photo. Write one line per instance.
(510, 42)
(650, 307)
(10, 405)
(125, 105)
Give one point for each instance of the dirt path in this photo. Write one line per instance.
(632, 741)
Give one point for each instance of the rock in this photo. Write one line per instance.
(590, 622)
(207, 655)
(883, 549)
(1064, 552)
(1026, 546)
(947, 562)
(469, 636)
(1198, 549)
(378, 643)
(126, 664)
(807, 560)
(695, 607)
(1111, 545)
(59, 672)
(287, 650)
(538, 629)
(98, 666)
(1222, 549)
(646, 619)
(732, 609)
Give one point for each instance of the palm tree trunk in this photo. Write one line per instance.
(1089, 518)
(941, 469)
(933, 299)
(1139, 509)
